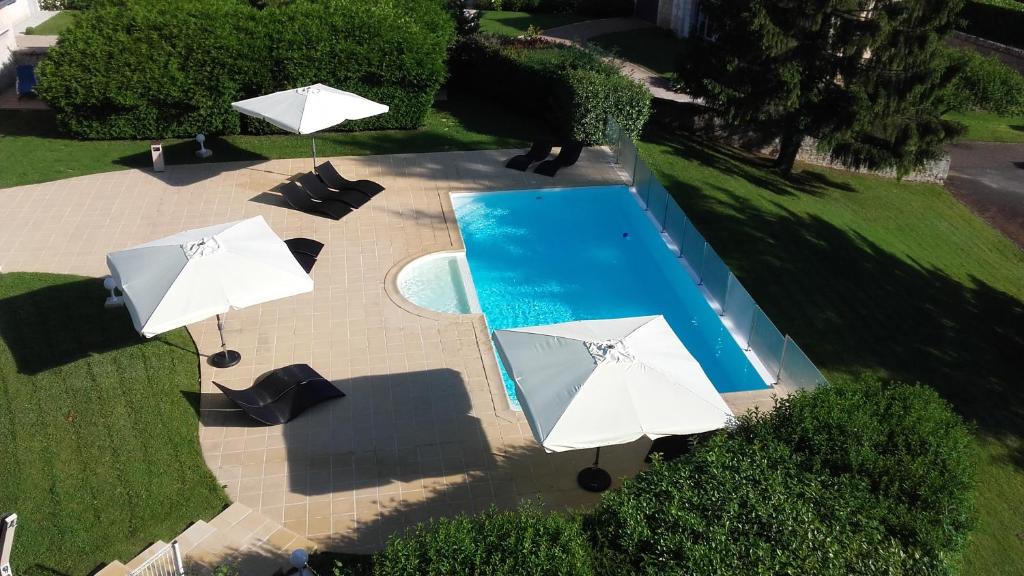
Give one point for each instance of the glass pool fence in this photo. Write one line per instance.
(746, 321)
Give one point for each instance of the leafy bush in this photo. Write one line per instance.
(903, 443)
(147, 68)
(592, 8)
(854, 478)
(526, 541)
(985, 83)
(1002, 22)
(574, 90)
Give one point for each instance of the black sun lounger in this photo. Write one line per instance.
(305, 251)
(330, 175)
(538, 151)
(283, 394)
(318, 190)
(567, 156)
(300, 200)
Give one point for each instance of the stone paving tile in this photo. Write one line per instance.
(425, 429)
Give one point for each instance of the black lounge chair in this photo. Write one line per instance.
(305, 246)
(300, 200)
(318, 190)
(330, 175)
(305, 251)
(538, 151)
(567, 156)
(282, 394)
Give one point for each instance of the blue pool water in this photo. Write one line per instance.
(547, 256)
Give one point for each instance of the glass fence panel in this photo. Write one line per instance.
(676, 224)
(715, 275)
(656, 202)
(644, 182)
(693, 249)
(766, 341)
(797, 369)
(613, 136)
(739, 310)
(628, 158)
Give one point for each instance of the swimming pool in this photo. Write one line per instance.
(548, 256)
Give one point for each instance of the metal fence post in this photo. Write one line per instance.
(703, 259)
(753, 324)
(682, 237)
(729, 281)
(782, 357)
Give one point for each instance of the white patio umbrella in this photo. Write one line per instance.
(596, 383)
(309, 109)
(205, 272)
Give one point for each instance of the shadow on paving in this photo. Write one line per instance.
(42, 327)
(854, 306)
(388, 428)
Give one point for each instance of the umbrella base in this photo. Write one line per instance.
(225, 359)
(594, 479)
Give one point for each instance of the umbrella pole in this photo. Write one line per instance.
(225, 358)
(593, 478)
(313, 138)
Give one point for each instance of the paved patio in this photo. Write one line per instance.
(425, 429)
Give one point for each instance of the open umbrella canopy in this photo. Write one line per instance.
(309, 109)
(200, 273)
(597, 383)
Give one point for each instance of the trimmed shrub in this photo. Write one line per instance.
(572, 89)
(854, 478)
(147, 68)
(392, 52)
(526, 541)
(151, 69)
(997, 21)
(591, 8)
(904, 443)
(985, 83)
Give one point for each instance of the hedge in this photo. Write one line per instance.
(523, 542)
(999, 23)
(985, 83)
(572, 89)
(854, 478)
(154, 69)
(591, 8)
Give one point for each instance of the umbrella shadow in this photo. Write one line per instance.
(64, 322)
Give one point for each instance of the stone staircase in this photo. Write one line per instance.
(238, 537)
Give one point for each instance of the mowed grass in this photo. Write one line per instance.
(98, 428)
(871, 275)
(988, 127)
(652, 48)
(55, 25)
(517, 23)
(32, 149)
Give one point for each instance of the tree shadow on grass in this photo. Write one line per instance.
(61, 323)
(854, 306)
(757, 170)
(1017, 127)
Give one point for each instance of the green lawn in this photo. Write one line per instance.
(54, 25)
(872, 275)
(653, 48)
(516, 23)
(98, 428)
(33, 150)
(988, 127)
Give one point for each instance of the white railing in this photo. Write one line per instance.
(166, 562)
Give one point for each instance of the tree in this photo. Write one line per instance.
(868, 78)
